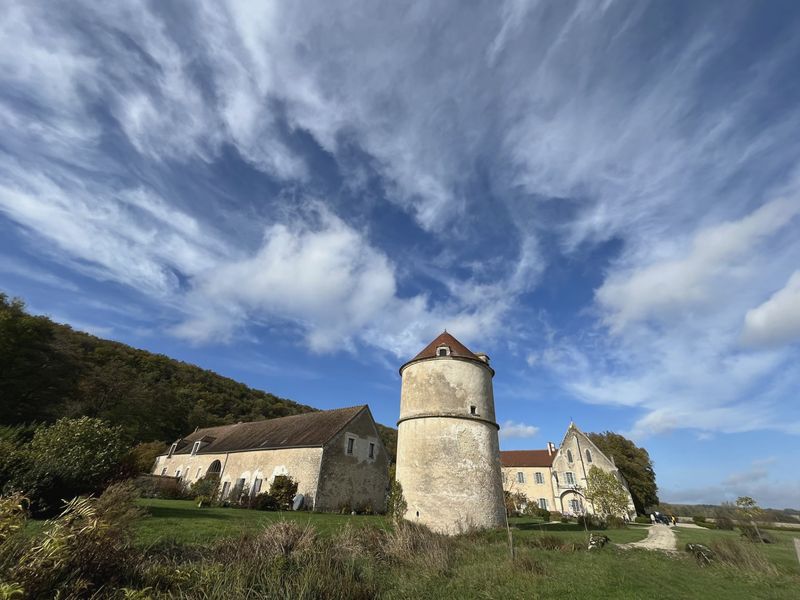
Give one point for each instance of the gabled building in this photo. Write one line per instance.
(336, 457)
(555, 478)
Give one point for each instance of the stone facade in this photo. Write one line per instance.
(348, 470)
(447, 445)
(560, 485)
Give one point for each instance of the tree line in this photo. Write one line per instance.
(49, 371)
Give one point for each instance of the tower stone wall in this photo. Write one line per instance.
(448, 456)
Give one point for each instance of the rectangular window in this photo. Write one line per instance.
(520, 477)
(543, 503)
(195, 447)
(351, 443)
(570, 478)
(256, 486)
(539, 477)
(226, 487)
(371, 450)
(164, 471)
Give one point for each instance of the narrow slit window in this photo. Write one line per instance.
(588, 456)
(473, 410)
(569, 456)
(371, 450)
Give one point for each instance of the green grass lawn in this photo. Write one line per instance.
(182, 522)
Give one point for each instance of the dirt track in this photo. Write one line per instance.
(659, 537)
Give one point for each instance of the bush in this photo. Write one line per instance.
(590, 522)
(642, 519)
(86, 548)
(724, 522)
(396, 505)
(66, 459)
(698, 519)
(753, 534)
(265, 501)
(283, 489)
(564, 519)
(206, 490)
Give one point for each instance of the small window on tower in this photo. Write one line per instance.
(443, 351)
(473, 410)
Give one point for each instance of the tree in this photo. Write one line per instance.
(749, 510)
(68, 458)
(606, 493)
(635, 466)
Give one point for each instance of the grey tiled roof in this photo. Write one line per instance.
(307, 429)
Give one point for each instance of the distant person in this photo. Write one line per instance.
(674, 521)
(653, 518)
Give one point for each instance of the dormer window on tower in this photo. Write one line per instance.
(443, 351)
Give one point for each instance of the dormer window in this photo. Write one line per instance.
(196, 447)
(172, 450)
(443, 351)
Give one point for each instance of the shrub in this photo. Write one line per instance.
(564, 519)
(753, 534)
(699, 519)
(86, 547)
(13, 514)
(283, 489)
(68, 458)
(396, 505)
(590, 522)
(552, 542)
(642, 519)
(724, 522)
(614, 522)
(206, 490)
(265, 501)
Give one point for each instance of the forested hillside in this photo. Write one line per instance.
(49, 370)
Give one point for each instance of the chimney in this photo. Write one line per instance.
(551, 448)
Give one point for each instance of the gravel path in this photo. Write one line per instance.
(659, 537)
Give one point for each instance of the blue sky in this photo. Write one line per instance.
(603, 196)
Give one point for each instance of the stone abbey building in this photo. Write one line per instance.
(336, 457)
(555, 478)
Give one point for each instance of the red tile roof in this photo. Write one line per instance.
(526, 458)
(445, 339)
(457, 349)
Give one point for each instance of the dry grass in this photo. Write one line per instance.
(742, 555)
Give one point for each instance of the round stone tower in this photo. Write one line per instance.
(448, 455)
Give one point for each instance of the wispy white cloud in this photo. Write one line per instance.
(776, 321)
(511, 429)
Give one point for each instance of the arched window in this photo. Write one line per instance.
(588, 456)
(569, 456)
(214, 468)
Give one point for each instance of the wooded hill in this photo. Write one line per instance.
(49, 370)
